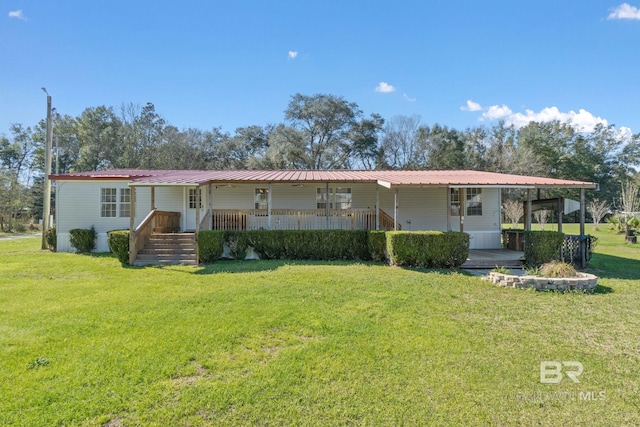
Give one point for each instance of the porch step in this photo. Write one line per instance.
(168, 249)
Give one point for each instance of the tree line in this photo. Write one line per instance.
(317, 132)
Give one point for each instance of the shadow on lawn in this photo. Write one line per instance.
(253, 266)
(613, 267)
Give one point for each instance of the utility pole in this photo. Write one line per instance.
(47, 170)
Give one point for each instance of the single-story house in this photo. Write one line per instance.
(193, 200)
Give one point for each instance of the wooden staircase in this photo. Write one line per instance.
(168, 249)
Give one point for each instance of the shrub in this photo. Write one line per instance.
(558, 269)
(377, 245)
(501, 270)
(118, 241)
(310, 244)
(238, 243)
(51, 237)
(210, 245)
(430, 249)
(542, 246)
(20, 227)
(82, 239)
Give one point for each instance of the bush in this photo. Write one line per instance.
(541, 247)
(238, 243)
(118, 241)
(83, 240)
(310, 244)
(377, 245)
(430, 249)
(210, 245)
(51, 237)
(20, 227)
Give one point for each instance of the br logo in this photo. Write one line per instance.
(552, 372)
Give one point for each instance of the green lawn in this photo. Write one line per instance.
(84, 341)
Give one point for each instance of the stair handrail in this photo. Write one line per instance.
(140, 235)
(387, 222)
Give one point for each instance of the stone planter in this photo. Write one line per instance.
(583, 282)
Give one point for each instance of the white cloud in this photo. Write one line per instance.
(293, 54)
(497, 112)
(582, 120)
(17, 14)
(408, 98)
(625, 11)
(385, 87)
(471, 106)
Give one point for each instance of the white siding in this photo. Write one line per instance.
(485, 230)
(79, 207)
(419, 208)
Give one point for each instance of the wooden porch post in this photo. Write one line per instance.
(583, 238)
(132, 215)
(197, 210)
(560, 212)
(210, 205)
(327, 203)
(448, 206)
(396, 201)
(269, 226)
(463, 207)
(153, 198)
(527, 212)
(377, 207)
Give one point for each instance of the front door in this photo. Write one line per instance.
(190, 208)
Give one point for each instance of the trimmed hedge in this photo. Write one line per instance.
(541, 247)
(118, 241)
(378, 245)
(428, 249)
(310, 244)
(82, 239)
(433, 249)
(210, 245)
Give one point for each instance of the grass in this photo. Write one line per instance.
(84, 341)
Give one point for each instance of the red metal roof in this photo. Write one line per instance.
(388, 178)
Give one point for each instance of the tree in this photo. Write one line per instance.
(513, 210)
(400, 143)
(598, 209)
(99, 139)
(628, 205)
(541, 216)
(322, 125)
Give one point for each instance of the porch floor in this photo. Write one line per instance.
(490, 258)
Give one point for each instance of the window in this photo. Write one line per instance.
(455, 201)
(108, 202)
(125, 202)
(262, 198)
(193, 198)
(338, 198)
(322, 199)
(343, 198)
(474, 201)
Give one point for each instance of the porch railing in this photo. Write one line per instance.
(293, 219)
(155, 222)
(205, 224)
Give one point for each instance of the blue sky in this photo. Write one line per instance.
(236, 63)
